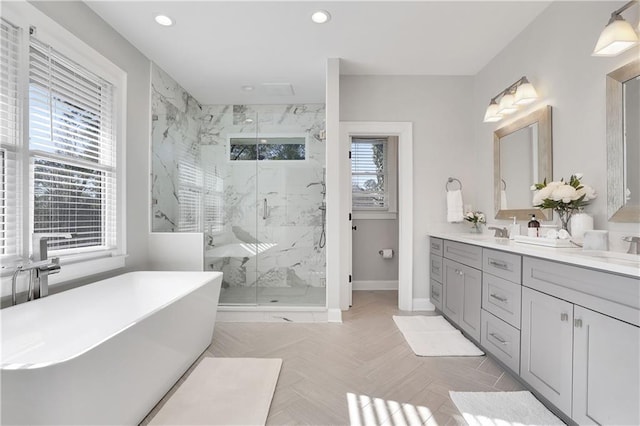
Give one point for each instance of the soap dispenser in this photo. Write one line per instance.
(514, 229)
(533, 227)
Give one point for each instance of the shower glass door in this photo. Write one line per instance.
(267, 205)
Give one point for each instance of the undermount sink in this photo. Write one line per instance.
(612, 256)
(484, 237)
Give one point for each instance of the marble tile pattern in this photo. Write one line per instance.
(190, 152)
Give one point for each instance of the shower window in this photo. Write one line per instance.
(267, 148)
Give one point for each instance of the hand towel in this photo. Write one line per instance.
(503, 200)
(454, 206)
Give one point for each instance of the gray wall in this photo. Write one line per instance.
(440, 110)
(76, 17)
(557, 60)
(371, 236)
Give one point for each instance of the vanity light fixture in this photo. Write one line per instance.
(164, 20)
(617, 36)
(510, 99)
(321, 17)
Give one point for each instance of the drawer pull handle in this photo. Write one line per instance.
(436, 268)
(498, 338)
(459, 272)
(500, 265)
(577, 323)
(500, 298)
(564, 317)
(435, 294)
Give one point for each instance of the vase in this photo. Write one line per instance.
(565, 217)
(579, 223)
(476, 228)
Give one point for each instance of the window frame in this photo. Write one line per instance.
(80, 263)
(390, 182)
(267, 136)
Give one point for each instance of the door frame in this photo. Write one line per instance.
(404, 132)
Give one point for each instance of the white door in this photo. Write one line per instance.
(350, 238)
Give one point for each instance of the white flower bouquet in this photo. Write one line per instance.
(475, 217)
(565, 198)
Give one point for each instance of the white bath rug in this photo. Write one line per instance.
(434, 336)
(503, 409)
(223, 391)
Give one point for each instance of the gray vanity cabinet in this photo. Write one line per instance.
(436, 291)
(462, 296)
(606, 368)
(546, 346)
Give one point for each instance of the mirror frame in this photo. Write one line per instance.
(542, 116)
(616, 209)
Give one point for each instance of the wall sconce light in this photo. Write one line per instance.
(507, 102)
(617, 36)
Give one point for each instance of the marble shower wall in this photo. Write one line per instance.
(291, 226)
(195, 187)
(175, 152)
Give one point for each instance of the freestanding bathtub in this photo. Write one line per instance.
(107, 352)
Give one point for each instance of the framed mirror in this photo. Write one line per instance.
(521, 156)
(623, 143)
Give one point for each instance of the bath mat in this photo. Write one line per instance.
(223, 391)
(503, 408)
(434, 336)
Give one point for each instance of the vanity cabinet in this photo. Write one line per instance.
(436, 291)
(546, 346)
(462, 296)
(584, 362)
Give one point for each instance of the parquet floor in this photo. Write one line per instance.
(358, 372)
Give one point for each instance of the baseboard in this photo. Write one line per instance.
(375, 285)
(423, 304)
(334, 315)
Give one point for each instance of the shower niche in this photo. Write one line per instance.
(252, 179)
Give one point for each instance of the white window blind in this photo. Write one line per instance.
(369, 173)
(213, 202)
(72, 152)
(9, 138)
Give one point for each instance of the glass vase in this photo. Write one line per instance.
(565, 217)
(476, 228)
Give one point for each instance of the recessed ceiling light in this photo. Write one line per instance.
(321, 17)
(248, 88)
(164, 20)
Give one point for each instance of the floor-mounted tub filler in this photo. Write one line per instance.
(107, 352)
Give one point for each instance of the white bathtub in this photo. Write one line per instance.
(107, 352)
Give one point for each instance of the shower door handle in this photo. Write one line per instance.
(265, 207)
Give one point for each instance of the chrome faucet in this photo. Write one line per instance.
(40, 274)
(634, 244)
(500, 232)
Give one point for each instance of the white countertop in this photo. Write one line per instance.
(619, 263)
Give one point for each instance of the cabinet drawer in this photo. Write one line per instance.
(436, 246)
(436, 294)
(463, 253)
(615, 295)
(503, 265)
(502, 298)
(501, 340)
(436, 268)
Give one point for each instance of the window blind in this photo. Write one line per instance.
(72, 151)
(190, 187)
(9, 138)
(368, 173)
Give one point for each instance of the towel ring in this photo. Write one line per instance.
(446, 186)
(504, 184)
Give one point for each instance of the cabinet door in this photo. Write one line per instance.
(472, 301)
(606, 370)
(546, 346)
(453, 278)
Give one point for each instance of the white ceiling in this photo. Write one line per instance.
(216, 47)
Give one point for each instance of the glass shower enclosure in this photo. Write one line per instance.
(264, 203)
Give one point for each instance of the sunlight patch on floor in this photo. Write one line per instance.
(368, 411)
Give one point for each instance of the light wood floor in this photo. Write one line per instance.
(365, 356)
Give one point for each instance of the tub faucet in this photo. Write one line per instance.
(45, 267)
